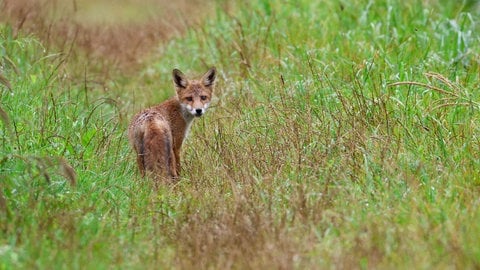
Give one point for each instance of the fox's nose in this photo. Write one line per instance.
(198, 111)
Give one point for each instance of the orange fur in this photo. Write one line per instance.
(157, 133)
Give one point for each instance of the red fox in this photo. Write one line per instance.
(157, 133)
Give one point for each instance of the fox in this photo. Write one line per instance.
(157, 133)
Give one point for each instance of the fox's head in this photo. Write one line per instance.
(194, 95)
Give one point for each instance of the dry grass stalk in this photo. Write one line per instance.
(431, 87)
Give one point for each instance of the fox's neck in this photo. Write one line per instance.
(187, 116)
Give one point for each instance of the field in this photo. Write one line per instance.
(343, 135)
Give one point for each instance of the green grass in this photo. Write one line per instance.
(343, 135)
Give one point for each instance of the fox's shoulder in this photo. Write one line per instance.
(163, 110)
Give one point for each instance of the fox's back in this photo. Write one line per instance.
(168, 115)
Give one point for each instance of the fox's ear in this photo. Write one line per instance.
(209, 77)
(179, 79)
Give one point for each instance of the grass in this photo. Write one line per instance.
(343, 135)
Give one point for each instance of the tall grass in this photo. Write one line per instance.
(343, 135)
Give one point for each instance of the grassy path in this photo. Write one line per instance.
(342, 136)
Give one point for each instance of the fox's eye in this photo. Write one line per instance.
(203, 97)
(189, 98)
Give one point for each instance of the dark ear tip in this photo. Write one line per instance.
(212, 72)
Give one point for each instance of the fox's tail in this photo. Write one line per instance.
(156, 149)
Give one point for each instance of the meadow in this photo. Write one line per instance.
(343, 135)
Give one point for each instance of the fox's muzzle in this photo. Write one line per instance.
(198, 112)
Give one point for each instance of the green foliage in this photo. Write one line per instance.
(55, 144)
(343, 135)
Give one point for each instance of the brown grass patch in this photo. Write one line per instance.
(119, 34)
